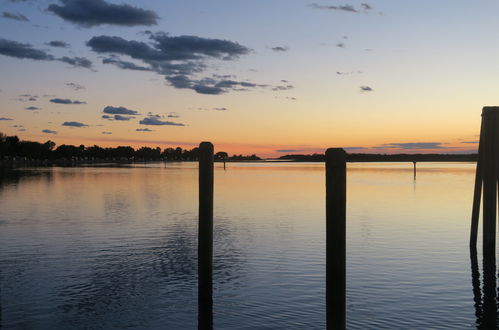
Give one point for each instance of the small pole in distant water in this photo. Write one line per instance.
(205, 240)
(414, 163)
(335, 238)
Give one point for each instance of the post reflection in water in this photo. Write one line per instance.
(486, 299)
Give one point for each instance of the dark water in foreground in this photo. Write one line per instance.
(114, 248)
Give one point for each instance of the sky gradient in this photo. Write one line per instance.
(267, 77)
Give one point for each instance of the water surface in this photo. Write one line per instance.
(113, 248)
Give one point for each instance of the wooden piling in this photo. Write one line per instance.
(205, 239)
(487, 175)
(414, 164)
(335, 238)
(477, 195)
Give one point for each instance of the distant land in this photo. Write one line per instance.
(14, 150)
(387, 158)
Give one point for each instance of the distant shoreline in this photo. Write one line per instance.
(317, 158)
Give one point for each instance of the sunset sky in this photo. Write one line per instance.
(270, 77)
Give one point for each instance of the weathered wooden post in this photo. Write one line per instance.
(205, 239)
(414, 164)
(335, 238)
(487, 173)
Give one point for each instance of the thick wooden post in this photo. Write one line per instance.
(205, 240)
(489, 167)
(487, 174)
(335, 238)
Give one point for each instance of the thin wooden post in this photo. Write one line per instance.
(477, 196)
(335, 238)
(414, 164)
(205, 240)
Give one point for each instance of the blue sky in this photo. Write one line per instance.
(311, 75)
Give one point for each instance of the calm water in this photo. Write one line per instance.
(112, 248)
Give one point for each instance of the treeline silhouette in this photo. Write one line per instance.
(12, 148)
(387, 157)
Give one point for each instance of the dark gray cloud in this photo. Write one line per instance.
(24, 50)
(412, 145)
(58, 43)
(280, 49)
(49, 131)
(173, 115)
(73, 124)
(179, 59)
(122, 118)
(289, 150)
(471, 142)
(107, 117)
(366, 89)
(156, 120)
(144, 130)
(4, 118)
(19, 50)
(66, 101)
(341, 45)
(32, 108)
(76, 87)
(167, 48)
(77, 61)
(88, 13)
(14, 16)
(119, 111)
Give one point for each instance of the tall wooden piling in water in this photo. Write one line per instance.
(205, 239)
(335, 238)
(487, 175)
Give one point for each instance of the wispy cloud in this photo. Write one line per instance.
(364, 7)
(156, 120)
(280, 49)
(5, 118)
(32, 108)
(366, 89)
(20, 50)
(49, 131)
(412, 145)
(76, 87)
(14, 16)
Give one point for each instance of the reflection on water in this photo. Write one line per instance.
(112, 248)
(486, 304)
